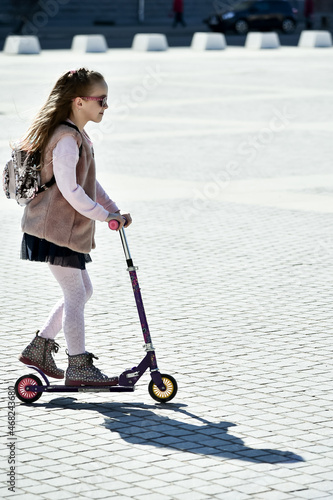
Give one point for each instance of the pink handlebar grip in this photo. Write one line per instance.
(113, 224)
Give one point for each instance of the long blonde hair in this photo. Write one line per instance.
(57, 108)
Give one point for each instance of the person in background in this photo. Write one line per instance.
(22, 11)
(308, 14)
(178, 10)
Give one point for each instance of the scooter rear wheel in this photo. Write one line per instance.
(163, 396)
(22, 393)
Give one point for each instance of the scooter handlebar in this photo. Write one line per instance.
(113, 224)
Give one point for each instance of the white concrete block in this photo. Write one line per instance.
(89, 43)
(258, 40)
(208, 41)
(21, 45)
(145, 42)
(311, 39)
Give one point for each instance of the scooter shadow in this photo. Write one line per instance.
(139, 423)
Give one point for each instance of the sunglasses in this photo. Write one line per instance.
(102, 100)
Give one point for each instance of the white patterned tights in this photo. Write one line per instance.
(68, 313)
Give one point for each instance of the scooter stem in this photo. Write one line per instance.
(150, 358)
(125, 246)
(138, 299)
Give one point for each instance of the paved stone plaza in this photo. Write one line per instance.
(224, 160)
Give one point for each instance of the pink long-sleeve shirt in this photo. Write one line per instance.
(65, 158)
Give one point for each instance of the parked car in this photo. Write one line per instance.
(258, 15)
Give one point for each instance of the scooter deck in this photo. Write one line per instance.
(76, 388)
(85, 388)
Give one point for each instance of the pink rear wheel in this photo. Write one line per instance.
(22, 388)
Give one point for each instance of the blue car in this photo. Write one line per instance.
(255, 15)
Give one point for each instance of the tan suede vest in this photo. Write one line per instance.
(49, 215)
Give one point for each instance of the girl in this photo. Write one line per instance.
(59, 224)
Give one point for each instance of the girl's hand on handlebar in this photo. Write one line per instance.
(124, 220)
(128, 219)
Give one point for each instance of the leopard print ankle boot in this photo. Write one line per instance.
(81, 371)
(39, 353)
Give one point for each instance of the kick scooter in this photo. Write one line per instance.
(162, 387)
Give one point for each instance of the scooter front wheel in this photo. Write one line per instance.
(27, 381)
(169, 393)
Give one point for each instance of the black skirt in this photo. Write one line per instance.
(37, 249)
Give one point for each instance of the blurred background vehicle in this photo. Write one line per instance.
(258, 15)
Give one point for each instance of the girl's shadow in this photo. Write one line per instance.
(137, 423)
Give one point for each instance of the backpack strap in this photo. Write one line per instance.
(71, 125)
(76, 128)
(47, 185)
